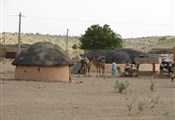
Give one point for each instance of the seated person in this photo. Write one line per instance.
(127, 65)
(133, 67)
(137, 64)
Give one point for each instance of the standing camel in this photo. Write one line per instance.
(99, 64)
(86, 64)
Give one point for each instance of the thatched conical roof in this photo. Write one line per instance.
(43, 54)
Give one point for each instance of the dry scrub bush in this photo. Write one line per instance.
(121, 86)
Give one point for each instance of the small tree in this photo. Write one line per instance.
(97, 37)
(75, 46)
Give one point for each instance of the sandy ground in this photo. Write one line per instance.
(85, 98)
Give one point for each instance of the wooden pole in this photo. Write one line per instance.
(174, 59)
(174, 54)
(67, 41)
(19, 35)
(4, 37)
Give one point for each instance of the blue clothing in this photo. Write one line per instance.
(114, 68)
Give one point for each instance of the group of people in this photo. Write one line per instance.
(166, 65)
(128, 66)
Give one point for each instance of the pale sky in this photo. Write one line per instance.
(129, 18)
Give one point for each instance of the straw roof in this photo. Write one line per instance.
(43, 54)
(119, 55)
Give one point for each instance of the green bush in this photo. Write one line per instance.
(162, 39)
(121, 86)
(75, 46)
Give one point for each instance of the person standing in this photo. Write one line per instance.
(137, 65)
(114, 67)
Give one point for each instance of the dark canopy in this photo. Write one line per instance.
(43, 54)
(119, 55)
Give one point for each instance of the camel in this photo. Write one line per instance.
(99, 64)
(86, 63)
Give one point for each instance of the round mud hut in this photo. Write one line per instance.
(43, 61)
